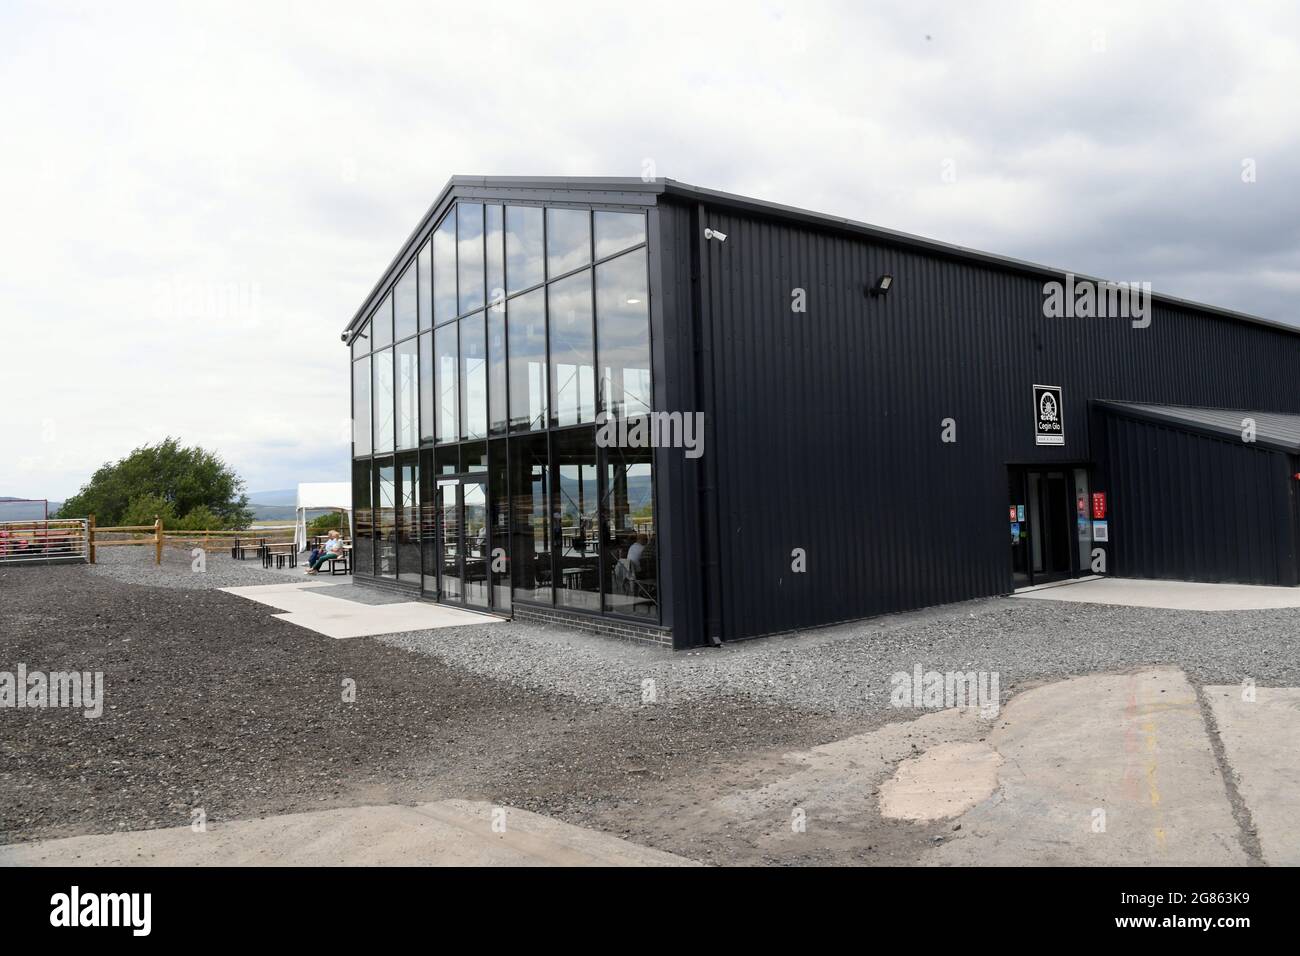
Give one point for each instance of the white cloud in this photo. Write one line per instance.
(197, 199)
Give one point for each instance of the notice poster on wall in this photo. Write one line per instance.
(1101, 531)
(1049, 422)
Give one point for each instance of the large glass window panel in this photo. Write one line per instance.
(408, 393)
(524, 255)
(616, 231)
(361, 341)
(475, 542)
(473, 377)
(530, 519)
(382, 376)
(470, 256)
(498, 414)
(629, 546)
(568, 240)
(361, 424)
(577, 504)
(623, 335)
(495, 233)
(426, 387)
(425, 263)
(363, 520)
(447, 414)
(381, 324)
(526, 342)
(406, 305)
(385, 520)
(408, 518)
(573, 387)
(444, 268)
(499, 525)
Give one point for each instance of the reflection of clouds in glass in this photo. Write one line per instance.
(383, 400)
(444, 268)
(408, 370)
(623, 329)
(361, 424)
(569, 315)
(473, 357)
(425, 260)
(495, 265)
(445, 347)
(568, 240)
(404, 300)
(470, 243)
(381, 323)
(618, 230)
(523, 247)
(526, 336)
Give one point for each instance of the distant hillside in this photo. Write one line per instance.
(15, 509)
(282, 496)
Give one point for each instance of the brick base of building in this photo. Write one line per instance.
(604, 626)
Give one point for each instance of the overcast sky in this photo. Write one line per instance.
(197, 197)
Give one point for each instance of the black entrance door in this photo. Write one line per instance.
(1045, 535)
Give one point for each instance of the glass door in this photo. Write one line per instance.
(463, 541)
(474, 542)
(449, 539)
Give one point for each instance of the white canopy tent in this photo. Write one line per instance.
(322, 495)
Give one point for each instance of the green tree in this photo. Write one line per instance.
(323, 524)
(201, 518)
(174, 476)
(144, 509)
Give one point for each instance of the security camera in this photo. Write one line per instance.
(344, 338)
(714, 234)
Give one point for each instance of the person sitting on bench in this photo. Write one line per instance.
(333, 548)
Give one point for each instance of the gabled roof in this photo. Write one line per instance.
(1272, 429)
(634, 191)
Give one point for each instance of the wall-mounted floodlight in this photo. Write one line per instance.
(881, 285)
(714, 234)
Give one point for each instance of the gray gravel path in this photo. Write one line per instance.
(135, 566)
(842, 670)
(847, 669)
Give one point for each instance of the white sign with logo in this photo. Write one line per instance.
(1049, 421)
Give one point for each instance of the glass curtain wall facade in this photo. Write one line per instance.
(477, 389)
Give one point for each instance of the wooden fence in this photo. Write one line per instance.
(155, 534)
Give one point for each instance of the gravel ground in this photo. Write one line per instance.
(211, 702)
(135, 566)
(847, 669)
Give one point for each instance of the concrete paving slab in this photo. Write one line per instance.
(445, 833)
(308, 605)
(1175, 595)
(349, 619)
(1110, 769)
(1261, 741)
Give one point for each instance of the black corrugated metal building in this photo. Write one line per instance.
(889, 422)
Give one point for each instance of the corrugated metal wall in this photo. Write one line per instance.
(1196, 508)
(825, 426)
